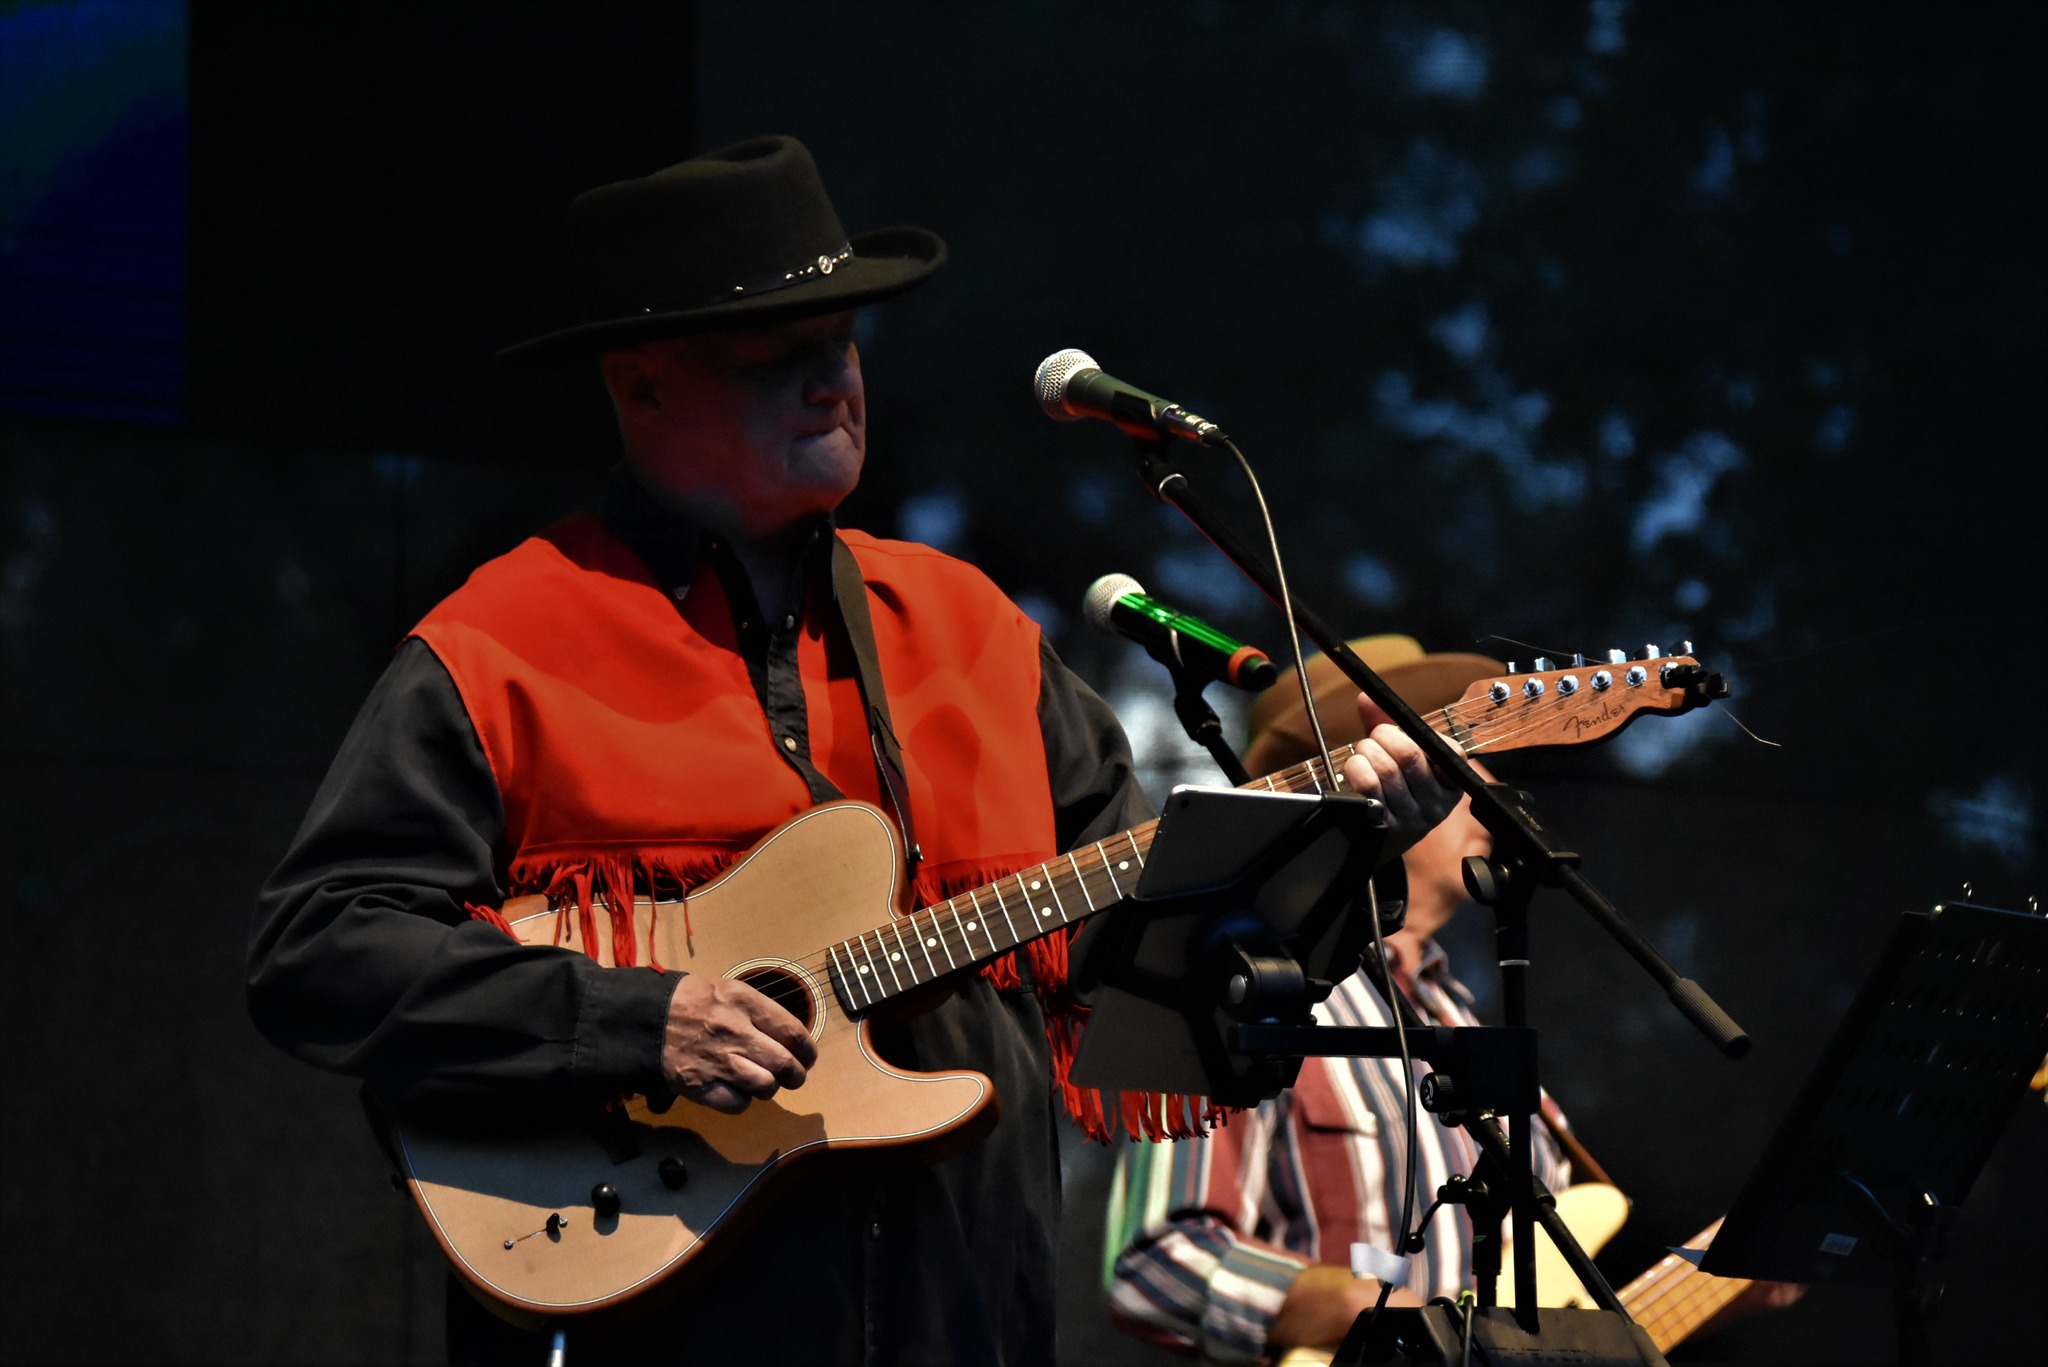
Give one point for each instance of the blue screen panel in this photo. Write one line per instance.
(93, 143)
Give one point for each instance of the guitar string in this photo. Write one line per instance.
(934, 933)
(1530, 716)
(1683, 1290)
(926, 921)
(1703, 1293)
(1696, 1308)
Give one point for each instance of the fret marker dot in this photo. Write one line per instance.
(861, 969)
(972, 926)
(1045, 911)
(1123, 864)
(932, 942)
(895, 958)
(1036, 886)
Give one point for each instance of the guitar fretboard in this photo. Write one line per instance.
(981, 924)
(1674, 1298)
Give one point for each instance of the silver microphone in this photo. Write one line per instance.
(1071, 386)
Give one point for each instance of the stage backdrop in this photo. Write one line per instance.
(1548, 329)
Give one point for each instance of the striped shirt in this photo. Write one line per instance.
(1206, 1235)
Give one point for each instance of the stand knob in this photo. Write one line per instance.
(1438, 1092)
(672, 1172)
(1482, 879)
(605, 1198)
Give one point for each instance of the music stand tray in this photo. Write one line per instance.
(1864, 1175)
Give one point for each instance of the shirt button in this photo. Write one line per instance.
(875, 1230)
(789, 623)
(789, 743)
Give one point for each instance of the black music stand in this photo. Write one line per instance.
(1243, 912)
(1863, 1180)
(1202, 984)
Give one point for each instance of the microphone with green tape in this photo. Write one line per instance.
(1117, 603)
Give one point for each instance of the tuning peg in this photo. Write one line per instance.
(1542, 665)
(1578, 661)
(1651, 652)
(1617, 657)
(1685, 647)
(1511, 667)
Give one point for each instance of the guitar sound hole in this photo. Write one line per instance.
(785, 989)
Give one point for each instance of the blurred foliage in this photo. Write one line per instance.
(1583, 325)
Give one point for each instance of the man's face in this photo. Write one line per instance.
(755, 430)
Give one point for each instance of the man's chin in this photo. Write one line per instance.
(826, 460)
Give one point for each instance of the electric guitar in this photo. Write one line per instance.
(582, 1220)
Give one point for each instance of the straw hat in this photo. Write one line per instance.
(1280, 733)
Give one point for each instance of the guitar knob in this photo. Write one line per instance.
(672, 1172)
(604, 1197)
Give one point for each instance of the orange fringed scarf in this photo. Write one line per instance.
(631, 752)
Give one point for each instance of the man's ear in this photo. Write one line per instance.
(625, 375)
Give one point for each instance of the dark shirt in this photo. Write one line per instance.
(365, 960)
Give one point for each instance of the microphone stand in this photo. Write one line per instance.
(1199, 719)
(1526, 855)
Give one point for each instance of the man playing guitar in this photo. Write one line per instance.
(617, 709)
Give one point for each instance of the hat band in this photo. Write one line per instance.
(823, 266)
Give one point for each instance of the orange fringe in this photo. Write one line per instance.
(489, 916)
(615, 880)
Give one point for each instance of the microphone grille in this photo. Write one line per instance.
(1053, 373)
(1102, 596)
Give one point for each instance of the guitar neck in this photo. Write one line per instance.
(1674, 1298)
(1550, 707)
(984, 923)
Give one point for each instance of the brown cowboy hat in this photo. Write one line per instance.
(1280, 733)
(743, 236)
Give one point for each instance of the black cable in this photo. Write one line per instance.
(1389, 990)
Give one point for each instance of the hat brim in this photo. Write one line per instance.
(885, 262)
(1425, 683)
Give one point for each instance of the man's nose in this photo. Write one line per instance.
(829, 372)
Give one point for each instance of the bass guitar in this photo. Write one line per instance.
(582, 1221)
(1671, 1301)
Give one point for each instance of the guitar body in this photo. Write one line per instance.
(825, 875)
(1594, 1212)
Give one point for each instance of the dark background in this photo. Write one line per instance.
(1580, 325)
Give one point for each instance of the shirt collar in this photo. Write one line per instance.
(656, 526)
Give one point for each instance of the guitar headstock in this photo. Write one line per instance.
(1587, 701)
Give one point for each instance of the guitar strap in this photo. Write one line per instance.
(850, 591)
(669, 549)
